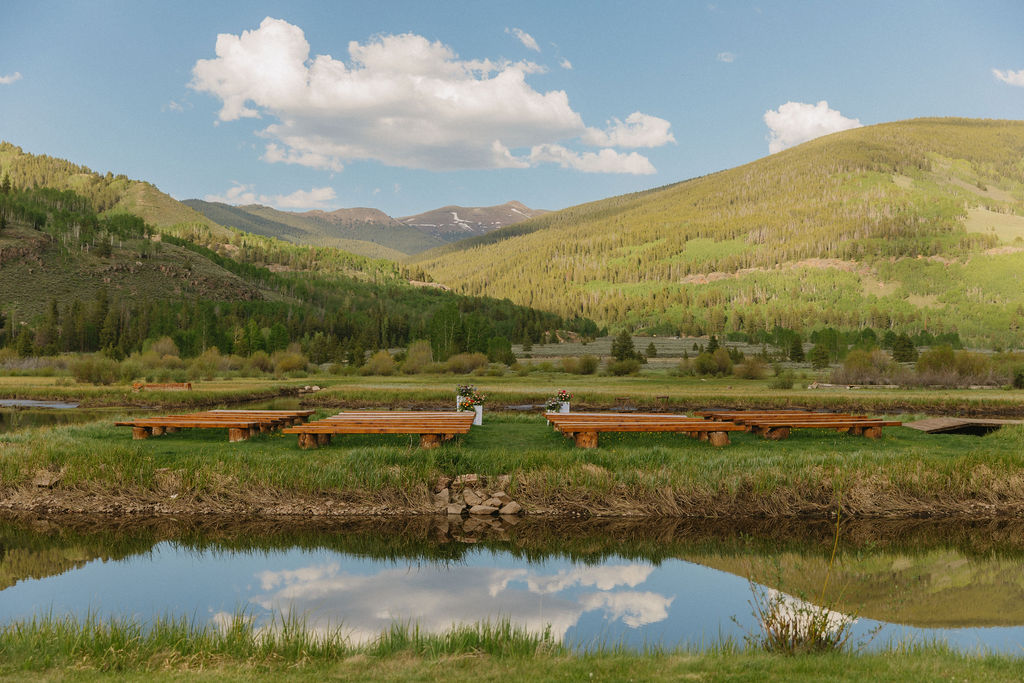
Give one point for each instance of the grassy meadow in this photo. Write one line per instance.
(814, 472)
(179, 649)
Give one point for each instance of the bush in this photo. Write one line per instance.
(260, 360)
(417, 358)
(380, 363)
(164, 346)
(288, 361)
(584, 365)
(624, 367)
(589, 364)
(866, 367)
(751, 368)
(783, 380)
(95, 369)
(1018, 378)
(464, 363)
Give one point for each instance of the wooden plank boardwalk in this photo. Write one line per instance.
(432, 427)
(960, 425)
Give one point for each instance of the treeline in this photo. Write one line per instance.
(333, 317)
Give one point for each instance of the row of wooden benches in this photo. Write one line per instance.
(714, 425)
(434, 428)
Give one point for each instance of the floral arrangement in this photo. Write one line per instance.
(472, 400)
(552, 404)
(563, 396)
(465, 390)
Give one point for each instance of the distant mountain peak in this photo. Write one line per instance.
(450, 223)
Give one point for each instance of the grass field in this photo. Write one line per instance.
(904, 473)
(179, 649)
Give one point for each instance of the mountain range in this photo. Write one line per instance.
(366, 231)
(907, 226)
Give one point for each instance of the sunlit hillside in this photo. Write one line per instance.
(910, 225)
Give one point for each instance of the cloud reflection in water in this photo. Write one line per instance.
(437, 597)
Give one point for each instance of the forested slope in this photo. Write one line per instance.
(907, 226)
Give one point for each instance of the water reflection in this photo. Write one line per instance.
(668, 581)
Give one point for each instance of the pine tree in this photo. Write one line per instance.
(622, 347)
(796, 349)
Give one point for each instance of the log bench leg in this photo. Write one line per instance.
(447, 437)
(719, 439)
(236, 434)
(140, 432)
(703, 436)
(323, 439)
(158, 431)
(776, 433)
(856, 430)
(307, 440)
(171, 430)
(586, 439)
(873, 432)
(428, 441)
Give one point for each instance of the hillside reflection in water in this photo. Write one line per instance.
(662, 582)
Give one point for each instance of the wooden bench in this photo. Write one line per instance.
(777, 424)
(165, 386)
(241, 424)
(583, 428)
(432, 427)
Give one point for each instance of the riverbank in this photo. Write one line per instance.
(98, 468)
(178, 648)
(655, 391)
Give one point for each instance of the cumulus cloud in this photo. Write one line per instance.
(638, 130)
(727, 57)
(239, 194)
(602, 161)
(10, 78)
(1011, 77)
(565, 64)
(525, 38)
(797, 122)
(401, 100)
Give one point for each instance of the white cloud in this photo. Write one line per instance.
(565, 64)
(10, 78)
(639, 130)
(635, 608)
(1011, 77)
(727, 57)
(525, 38)
(400, 100)
(602, 161)
(239, 194)
(797, 122)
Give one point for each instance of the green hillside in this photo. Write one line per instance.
(361, 231)
(78, 273)
(906, 226)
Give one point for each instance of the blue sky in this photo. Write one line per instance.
(408, 106)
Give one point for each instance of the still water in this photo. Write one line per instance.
(668, 582)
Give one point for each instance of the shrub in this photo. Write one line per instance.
(866, 367)
(782, 380)
(418, 357)
(589, 364)
(164, 346)
(463, 363)
(1018, 377)
(624, 367)
(380, 363)
(95, 369)
(288, 361)
(260, 360)
(751, 368)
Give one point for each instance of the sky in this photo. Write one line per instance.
(408, 106)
